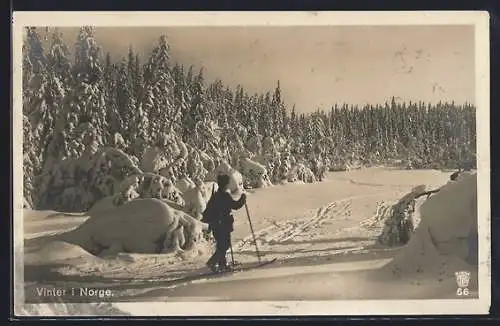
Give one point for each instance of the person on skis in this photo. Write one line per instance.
(220, 220)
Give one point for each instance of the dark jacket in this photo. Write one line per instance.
(225, 204)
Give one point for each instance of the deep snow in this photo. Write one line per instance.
(315, 230)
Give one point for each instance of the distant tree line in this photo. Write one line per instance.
(142, 101)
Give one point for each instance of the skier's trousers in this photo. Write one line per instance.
(223, 242)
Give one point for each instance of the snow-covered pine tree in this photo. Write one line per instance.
(131, 65)
(44, 88)
(58, 59)
(215, 94)
(235, 111)
(190, 76)
(138, 80)
(261, 114)
(159, 85)
(52, 116)
(33, 71)
(27, 75)
(88, 95)
(180, 95)
(278, 111)
(35, 51)
(31, 162)
(114, 118)
(197, 111)
(126, 100)
(46, 95)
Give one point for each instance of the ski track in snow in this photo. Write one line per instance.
(285, 231)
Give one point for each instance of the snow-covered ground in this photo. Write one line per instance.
(315, 230)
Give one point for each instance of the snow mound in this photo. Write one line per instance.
(235, 177)
(399, 220)
(441, 244)
(301, 173)
(33, 215)
(144, 185)
(319, 168)
(149, 185)
(277, 166)
(103, 205)
(254, 174)
(76, 184)
(184, 184)
(195, 200)
(337, 167)
(355, 165)
(254, 144)
(56, 252)
(138, 226)
(153, 160)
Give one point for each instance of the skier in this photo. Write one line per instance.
(220, 220)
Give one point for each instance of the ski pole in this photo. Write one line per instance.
(253, 234)
(232, 255)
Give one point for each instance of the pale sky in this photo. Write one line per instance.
(321, 65)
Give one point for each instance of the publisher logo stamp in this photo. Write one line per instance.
(462, 278)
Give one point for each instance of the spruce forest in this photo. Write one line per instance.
(89, 123)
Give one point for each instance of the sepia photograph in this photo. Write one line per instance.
(251, 163)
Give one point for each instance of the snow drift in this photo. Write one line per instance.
(255, 174)
(58, 252)
(139, 226)
(399, 219)
(441, 243)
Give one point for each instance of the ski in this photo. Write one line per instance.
(210, 275)
(242, 269)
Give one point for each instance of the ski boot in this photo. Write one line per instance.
(226, 268)
(213, 268)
